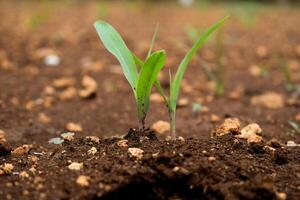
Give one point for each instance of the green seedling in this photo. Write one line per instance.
(102, 9)
(290, 85)
(196, 108)
(171, 100)
(217, 73)
(295, 126)
(141, 80)
(41, 16)
(246, 12)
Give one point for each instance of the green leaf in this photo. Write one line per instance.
(140, 64)
(147, 77)
(114, 43)
(175, 84)
(153, 41)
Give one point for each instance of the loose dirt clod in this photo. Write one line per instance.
(2, 135)
(250, 132)
(69, 136)
(89, 87)
(136, 152)
(74, 127)
(68, 94)
(6, 168)
(291, 144)
(270, 100)
(24, 175)
(83, 181)
(22, 149)
(214, 118)
(182, 102)
(211, 158)
(75, 166)
(230, 125)
(43, 118)
(180, 170)
(92, 151)
(161, 126)
(63, 82)
(93, 139)
(122, 143)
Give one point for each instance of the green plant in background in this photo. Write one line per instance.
(295, 126)
(290, 86)
(217, 73)
(141, 81)
(246, 12)
(38, 18)
(102, 9)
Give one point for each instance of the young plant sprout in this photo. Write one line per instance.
(171, 100)
(290, 86)
(141, 81)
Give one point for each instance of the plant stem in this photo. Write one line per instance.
(172, 117)
(141, 123)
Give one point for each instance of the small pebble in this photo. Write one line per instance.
(214, 118)
(52, 60)
(24, 149)
(74, 127)
(122, 143)
(68, 136)
(93, 139)
(157, 98)
(68, 94)
(230, 125)
(6, 168)
(89, 87)
(136, 152)
(271, 100)
(83, 181)
(75, 166)
(60, 83)
(291, 144)
(92, 151)
(23, 175)
(180, 138)
(43, 118)
(161, 127)
(211, 158)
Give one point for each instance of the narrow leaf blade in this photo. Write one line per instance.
(114, 43)
(153, 41)
(175, 85)
(157, 84)
(147, 77)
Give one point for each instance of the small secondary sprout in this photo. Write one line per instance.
(171, 100)
(141, 81)
(295, 126)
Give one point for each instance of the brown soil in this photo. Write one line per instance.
(181, 170)
(222, 168)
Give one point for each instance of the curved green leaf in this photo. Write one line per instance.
(114, 43)
(147, 77)
(175, 85)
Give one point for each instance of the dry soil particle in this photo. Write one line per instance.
(173, 169)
